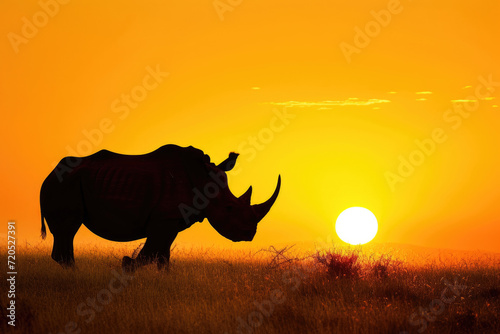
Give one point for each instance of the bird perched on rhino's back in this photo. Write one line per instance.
(154, 196)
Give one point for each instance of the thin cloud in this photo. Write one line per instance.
(421, 99)
(490, 98)
(352, 101)
(463, 101)
(423, 93)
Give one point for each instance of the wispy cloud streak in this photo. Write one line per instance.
(352, 101)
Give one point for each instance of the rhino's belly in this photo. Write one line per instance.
(116, 234)
(121, 202)
(117, 224)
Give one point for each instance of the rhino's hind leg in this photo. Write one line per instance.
(62, 250)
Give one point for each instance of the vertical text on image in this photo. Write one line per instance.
(11, 272)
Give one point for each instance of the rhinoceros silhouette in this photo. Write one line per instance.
(155, 196)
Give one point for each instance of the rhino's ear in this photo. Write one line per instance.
(229, 163)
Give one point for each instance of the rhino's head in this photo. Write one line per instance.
(234, 217)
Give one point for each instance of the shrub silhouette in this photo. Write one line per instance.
(339, 264)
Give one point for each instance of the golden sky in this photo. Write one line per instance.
(389, 105)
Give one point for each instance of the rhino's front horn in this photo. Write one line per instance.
(262, 209)
(245, 198)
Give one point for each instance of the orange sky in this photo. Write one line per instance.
(360, 104)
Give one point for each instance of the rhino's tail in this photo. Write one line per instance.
(44, 230)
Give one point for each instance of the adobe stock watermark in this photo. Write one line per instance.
(372, 29)
(31, 26)
(436, 306)
(454, 118)
(121, 106)
(252, 145)
(201, 198)
(223, 6)
(96, 303)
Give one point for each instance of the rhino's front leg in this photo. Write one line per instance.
(157, 247)
(130, 265)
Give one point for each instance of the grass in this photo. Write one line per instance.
(275, 290)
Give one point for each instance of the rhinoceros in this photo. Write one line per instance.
(155, 196)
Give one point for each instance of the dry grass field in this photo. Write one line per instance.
(274, 290)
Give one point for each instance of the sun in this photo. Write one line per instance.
(356, 225)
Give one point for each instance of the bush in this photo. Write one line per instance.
(339, 264)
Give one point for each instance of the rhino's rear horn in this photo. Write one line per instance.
(262, 209)
(245, 198)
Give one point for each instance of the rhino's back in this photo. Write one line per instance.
(138, 179)
(116, 195)
(123, 192)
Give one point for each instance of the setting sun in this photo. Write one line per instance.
(356, 226)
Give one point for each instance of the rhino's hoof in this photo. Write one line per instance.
(128, 264)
